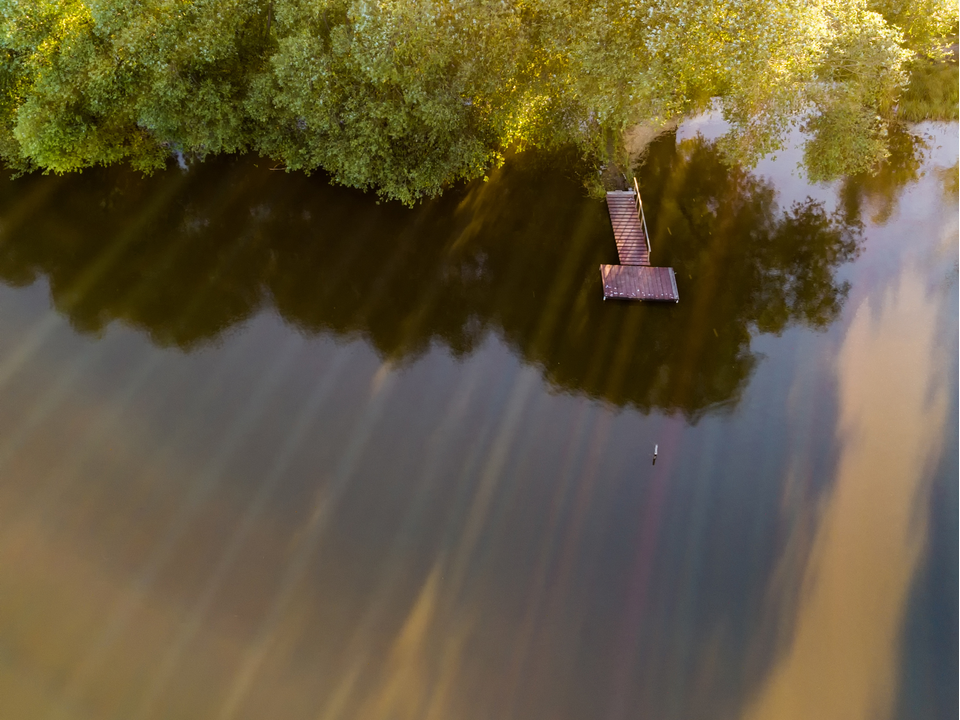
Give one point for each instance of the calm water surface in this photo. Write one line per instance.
(269, 449)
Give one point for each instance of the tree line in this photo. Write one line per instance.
(405, 97)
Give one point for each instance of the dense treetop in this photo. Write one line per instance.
(407, 96)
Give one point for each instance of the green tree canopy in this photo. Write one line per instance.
(408, 96)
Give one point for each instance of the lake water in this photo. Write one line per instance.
(269, 449)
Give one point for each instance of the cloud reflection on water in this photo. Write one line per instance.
(842, 661)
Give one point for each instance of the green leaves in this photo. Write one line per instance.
(401, 97)
(405, 97)
(111, 81)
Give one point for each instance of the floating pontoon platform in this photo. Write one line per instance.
(634, 278)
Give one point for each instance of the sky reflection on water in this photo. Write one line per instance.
(842, 658)
(333, 463)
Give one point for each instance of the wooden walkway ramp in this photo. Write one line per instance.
(634, 278)
(628, 230)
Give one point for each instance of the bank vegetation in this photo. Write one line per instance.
(405, 97)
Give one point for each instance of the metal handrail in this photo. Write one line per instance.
(643, 218)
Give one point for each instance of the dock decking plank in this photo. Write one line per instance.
(634, 278)
(627, 229)
(639, 282)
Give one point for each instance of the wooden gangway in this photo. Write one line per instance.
(634, 278)
(628, 228)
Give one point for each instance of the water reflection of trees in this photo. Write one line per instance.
(186, 256)
(877, 192)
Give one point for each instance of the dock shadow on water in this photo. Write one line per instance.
(186, 257)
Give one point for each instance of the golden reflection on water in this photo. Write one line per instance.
(88, 632)
(842, 661)
(481, 540)
(418, 682)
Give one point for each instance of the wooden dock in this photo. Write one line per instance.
(639, 282)
(634, 278)
(628, 231)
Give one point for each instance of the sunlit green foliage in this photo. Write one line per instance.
(401, 96)
(99, 82)
(408, 96)
(924, 23)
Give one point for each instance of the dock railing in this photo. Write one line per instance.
(640, 214)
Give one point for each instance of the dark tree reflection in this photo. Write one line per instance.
(877, 193)
(185, 256)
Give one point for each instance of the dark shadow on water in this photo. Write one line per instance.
(186, 256)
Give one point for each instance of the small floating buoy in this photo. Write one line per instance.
(655, 448)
